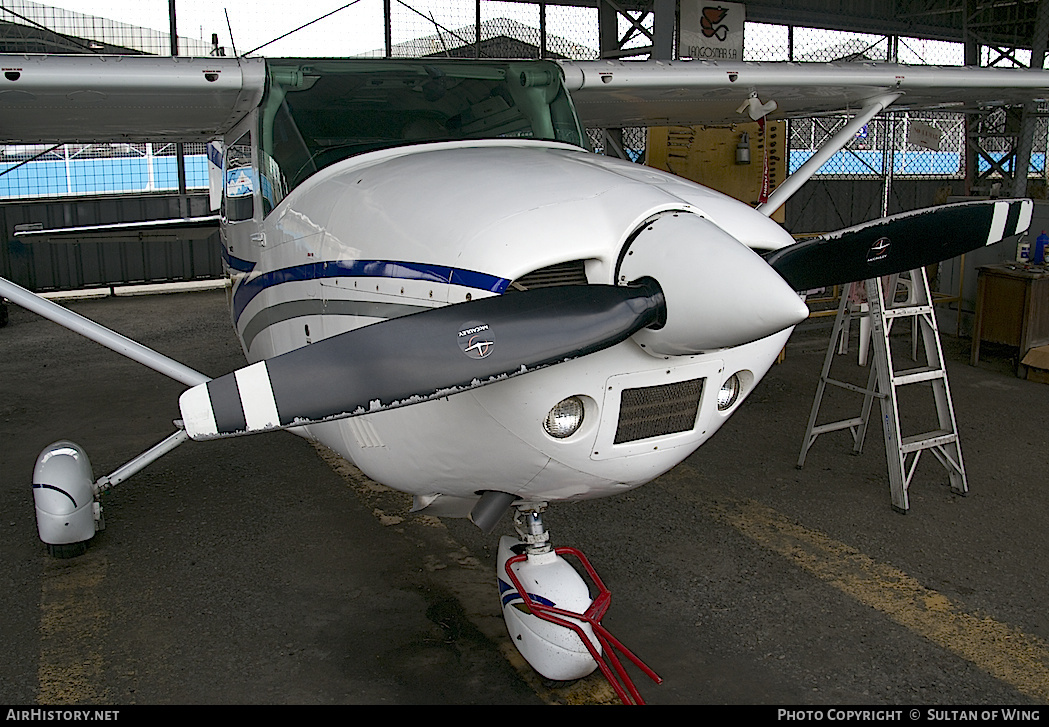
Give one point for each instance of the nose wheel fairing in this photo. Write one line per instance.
(551, 617)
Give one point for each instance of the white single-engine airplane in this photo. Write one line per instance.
(432, 276)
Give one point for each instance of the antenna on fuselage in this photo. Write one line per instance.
(440, 28)
(279, 37)
(232, 42)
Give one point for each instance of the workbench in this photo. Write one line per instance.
(1012, 308)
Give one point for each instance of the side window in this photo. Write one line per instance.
(285, 157)
(273, 186)
(239, 181)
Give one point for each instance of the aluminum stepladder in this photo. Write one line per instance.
(883, 382)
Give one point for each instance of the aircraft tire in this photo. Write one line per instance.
(67, 550)
(3, 314)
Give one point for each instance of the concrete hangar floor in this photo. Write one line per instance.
(255, 571)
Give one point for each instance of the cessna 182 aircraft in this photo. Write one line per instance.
(431, 275)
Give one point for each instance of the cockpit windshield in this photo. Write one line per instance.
(318, 112)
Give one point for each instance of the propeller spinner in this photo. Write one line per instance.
(719, 292)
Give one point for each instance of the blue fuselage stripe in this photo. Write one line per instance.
(235, 263)
(253, 285)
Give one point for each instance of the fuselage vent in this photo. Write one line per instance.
(570, 273)
(656, 411)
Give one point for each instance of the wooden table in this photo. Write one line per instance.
(1012, 308)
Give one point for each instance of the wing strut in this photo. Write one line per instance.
(829, 148)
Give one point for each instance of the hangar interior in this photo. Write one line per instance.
(738, 625)
(881, 171)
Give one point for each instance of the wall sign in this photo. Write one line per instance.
(711, 31)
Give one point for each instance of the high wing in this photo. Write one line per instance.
(98, 99)
(49, 98)
(612, 94)
(86, 98)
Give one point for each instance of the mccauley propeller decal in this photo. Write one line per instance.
(879, 250)
(476, 339)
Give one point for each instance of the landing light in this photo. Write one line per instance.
(565, 418)
(729, 392)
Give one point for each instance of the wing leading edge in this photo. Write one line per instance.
(657, 93)
(55, 98)
(86, 98)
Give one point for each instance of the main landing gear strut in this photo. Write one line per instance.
(551, 617)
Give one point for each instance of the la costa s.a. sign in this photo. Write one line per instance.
(711, 31)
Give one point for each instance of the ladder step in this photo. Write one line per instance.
(923, 373)
(835, 426)
(907, 312)
(851, 387)
(927, 441)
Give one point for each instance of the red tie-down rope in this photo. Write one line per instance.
(607, 661)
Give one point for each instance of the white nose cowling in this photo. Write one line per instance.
(719, 293)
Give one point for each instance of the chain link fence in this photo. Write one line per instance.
(32, 27)
(466, 28)
(883, 146)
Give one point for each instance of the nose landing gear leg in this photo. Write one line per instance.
(552, 619)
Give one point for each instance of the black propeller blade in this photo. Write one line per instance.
(899, 243)
(418, 357)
